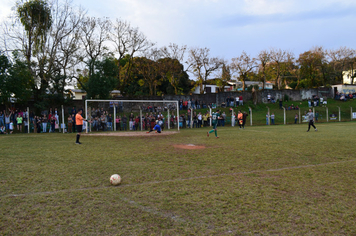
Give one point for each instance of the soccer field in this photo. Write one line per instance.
(266, 180)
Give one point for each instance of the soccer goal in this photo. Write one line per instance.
(131, 115)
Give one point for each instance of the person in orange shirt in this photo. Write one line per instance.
(240, 118)
(79, 124)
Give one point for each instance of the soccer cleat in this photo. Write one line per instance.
(217, 137)
(78, 143)
(147, 132)
(207, 134)
(307, 130)
(316, 130)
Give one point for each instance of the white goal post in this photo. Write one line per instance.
(163, 102)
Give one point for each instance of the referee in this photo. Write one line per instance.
(311, 120)
(79, 124)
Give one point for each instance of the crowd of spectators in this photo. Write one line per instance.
(12, 120)
(344, 97)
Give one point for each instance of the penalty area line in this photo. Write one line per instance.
(174, 180)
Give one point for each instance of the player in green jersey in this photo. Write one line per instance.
(215, 117)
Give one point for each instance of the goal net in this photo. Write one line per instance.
(131, 115)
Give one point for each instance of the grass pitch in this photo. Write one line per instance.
(276, 180)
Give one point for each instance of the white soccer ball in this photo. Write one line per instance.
(115, 179)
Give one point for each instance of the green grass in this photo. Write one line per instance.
(263, 180)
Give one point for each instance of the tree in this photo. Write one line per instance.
(35, 16)
(47, 34)
(103, 80)
(278, 56)
(264, 57)
(243, 65)
(224, 77)
(128, 41)
(94, 36)
(312, 67)
(5, 66)
(342, 59)
(15, 79)
(148, 69)
(202, 66)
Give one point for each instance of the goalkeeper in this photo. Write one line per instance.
(215, 117)
(157, 127)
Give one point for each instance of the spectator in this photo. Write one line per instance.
(7, 121)
(44, 123)
(223, 119)
(109, 122)
(2, 118)
(19, 120)
(2, 130)
(272, 118)
(241, 101)
(25, 122)
(124, 123)
(117, 120)
(53, 123)
(237, 99)
(244, 117)
(195, 120)
(103, 120)
(137, 122)
(73, 121)
(296, 118)
(11, 127)
(38, 124)
(181, 121)
(200, 120)
(70, 124)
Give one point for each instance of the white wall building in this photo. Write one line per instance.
(210, 89)
(346, 79)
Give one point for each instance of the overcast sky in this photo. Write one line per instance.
(229, 27)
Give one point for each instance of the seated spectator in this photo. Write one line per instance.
(2, 130)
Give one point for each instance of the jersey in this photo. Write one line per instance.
(157, 128)
(215, 117)
(78, 119)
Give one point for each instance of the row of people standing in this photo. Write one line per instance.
(234, 101)
(191, 103)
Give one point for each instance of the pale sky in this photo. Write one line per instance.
(229, 27)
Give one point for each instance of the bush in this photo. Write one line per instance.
(286, 97)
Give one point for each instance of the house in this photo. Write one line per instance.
(211, 89)
(346, 77)
(238, 84)
(344, 88)
(80, 94)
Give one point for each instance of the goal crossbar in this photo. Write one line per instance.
(135, 101)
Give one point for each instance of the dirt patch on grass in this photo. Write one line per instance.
(188, 146)
(131, 134)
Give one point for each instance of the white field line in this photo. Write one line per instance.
(173, 180)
